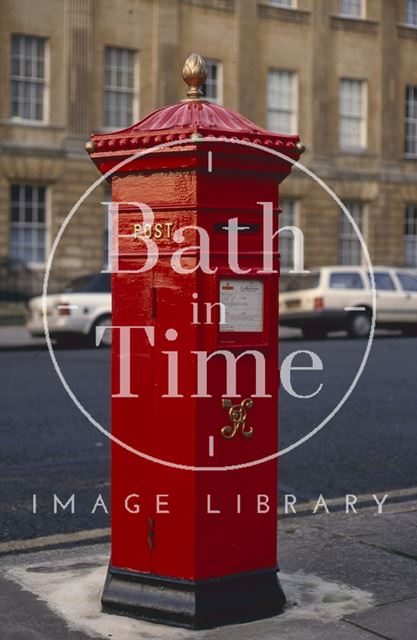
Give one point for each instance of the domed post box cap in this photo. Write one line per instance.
(195, 118)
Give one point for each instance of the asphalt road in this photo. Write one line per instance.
(48, 447)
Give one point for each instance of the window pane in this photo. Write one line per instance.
(348, 280)
(27, 81)
(383, 282)
(15, 213)
(211, 88)
(410, 235)
(99, 283)
(408, 282)
(411, 12)
(350, 249)
(303, 281)
(27, 223)
(119, 89)
(281, 101)
(286, 238)
(40, 255)
(351, 8)
(282, 3)
(28, 212)
(410, 142)
(15, 193)
(352, 114)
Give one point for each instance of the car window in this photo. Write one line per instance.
(302, 281)
(407, 281)
(346, 280)
(96, 283)
(383, 281)
(78, 284)
(101, 283)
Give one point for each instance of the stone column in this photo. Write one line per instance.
(247, 62)
(165, 52)
(79, 51)
(392, 98)
(324, 97)
(388, 214)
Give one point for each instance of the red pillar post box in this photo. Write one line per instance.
(194, 518)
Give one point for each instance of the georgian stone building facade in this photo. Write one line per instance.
(341, 73)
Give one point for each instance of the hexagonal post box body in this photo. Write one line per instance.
(193, 507)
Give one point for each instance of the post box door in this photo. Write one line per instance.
(132, 500)
(174, 420)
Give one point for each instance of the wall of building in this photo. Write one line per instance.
(249, 38)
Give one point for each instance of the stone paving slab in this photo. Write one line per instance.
(339, 546)
(338, 587)
(15, 337)
(365, 528)
(278, 629)
(24, 617)
(397, 621)
(70, 583)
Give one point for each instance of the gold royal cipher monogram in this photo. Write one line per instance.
(238, 415)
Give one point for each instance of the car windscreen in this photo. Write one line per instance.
(96, 283)
(299, 282)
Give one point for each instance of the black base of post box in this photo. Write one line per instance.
(200, 604)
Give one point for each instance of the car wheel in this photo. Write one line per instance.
(410, 331)
(69, 341)
(314, 333)
(103, 321)
(359, 325)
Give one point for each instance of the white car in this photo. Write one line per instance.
(335, 298)
(73, 314)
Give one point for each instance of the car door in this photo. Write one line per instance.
(408, 286)
(388, 298)
(346, 288)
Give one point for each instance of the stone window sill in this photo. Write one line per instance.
(286, 14)
(347, 23)
(36, 124)
(408, 31)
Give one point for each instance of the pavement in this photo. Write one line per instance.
(14, 336)
(346, 576)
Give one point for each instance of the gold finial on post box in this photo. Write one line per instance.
(300, 147)
(90, 146)
(195, 75)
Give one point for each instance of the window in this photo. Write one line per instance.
(383, 281)
(410, 235)
(352, 8)
(212, 88)
(28, 223)
(408, 282)
(282, 101)
(96, 283)
(288, 218)
(119, 87)
(411, 121)
(349, 244)
(411, 12)
(352, 114)
(302, 282)
(346, 280)
(283, 3)
(27, 78)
